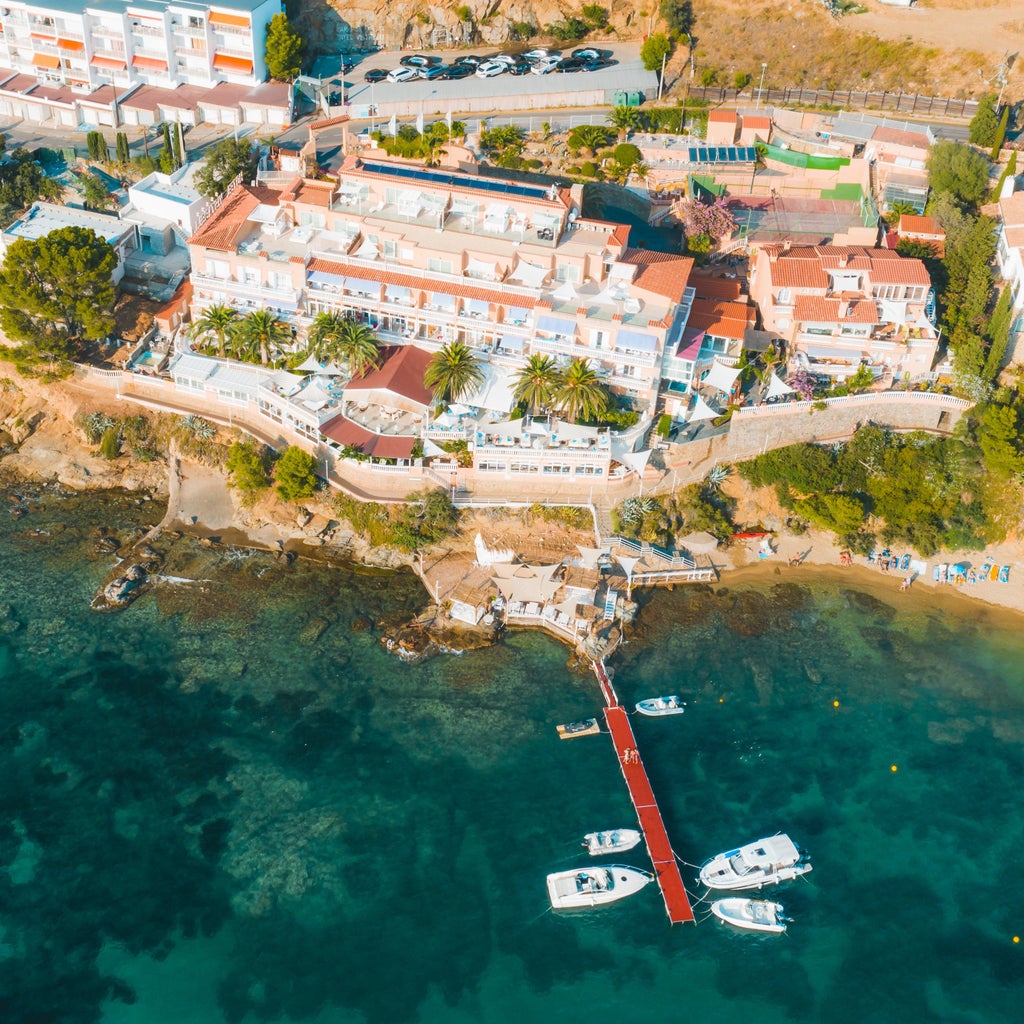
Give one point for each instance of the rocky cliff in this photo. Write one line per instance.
(333, 26)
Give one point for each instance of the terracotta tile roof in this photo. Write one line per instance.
(721, 319)
(1011, 209)
(659, 272)
(329, 122)
(226, 224)
(401, 373)
(270, 94)
(898, 137)
(723, 117)
(820, 309)
(380, 446)
(314, 193)
(411, 280)
(620, 236)
(914, 224)
(225, 94)
(798, 268)
(757, 122)
(705, 286)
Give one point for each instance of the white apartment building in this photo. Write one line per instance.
(127, 43)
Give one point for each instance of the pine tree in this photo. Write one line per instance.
(284, 49)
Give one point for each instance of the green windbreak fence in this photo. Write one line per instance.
(812, 161)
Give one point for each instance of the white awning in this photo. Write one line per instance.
(529, 274)
(367, 251)
(721, 377)
(359, 286)
(566, 293)
(555, 325)
(777, 388)
(495, 391)
(512, 343)
(636, 342)
(396, 293)
(701, 411)
(517, 314)
(477, 268)
(442, 300)
(476, 306)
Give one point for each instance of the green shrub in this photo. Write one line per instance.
(664, 427)
(110, 443)
(463, 12)
(295, 473)
(626, 154)
(247, 466)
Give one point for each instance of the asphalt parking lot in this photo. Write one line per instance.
(504, 92)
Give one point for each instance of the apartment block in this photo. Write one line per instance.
(82, 47)
(840, 307)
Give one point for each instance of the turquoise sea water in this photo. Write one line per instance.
(206, 819)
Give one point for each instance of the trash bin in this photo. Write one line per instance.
(634, 99)
(620, 99)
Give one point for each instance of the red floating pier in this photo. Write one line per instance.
(666, 870)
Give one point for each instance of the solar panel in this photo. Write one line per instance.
(722, 154)
(443, 178)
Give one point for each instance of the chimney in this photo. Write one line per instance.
(844, 309)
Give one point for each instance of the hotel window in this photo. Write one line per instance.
(389, 249)
(278, 281)
(218, 269)
(308, 219)
(599, 339)
(568, 272)
(194, 22)
(439, 266)
(783, 297)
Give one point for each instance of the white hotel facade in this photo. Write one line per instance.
(63, 51)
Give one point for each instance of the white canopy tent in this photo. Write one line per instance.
(431, 450)
(636, 461)
(566, 293)
(721, 377)
(777, 388)
(311, 365)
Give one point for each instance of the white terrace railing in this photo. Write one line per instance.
(912, 397)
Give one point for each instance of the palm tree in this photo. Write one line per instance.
(624, 120)
(263, 331)
(453, 372)
(590, 137)
(581, 394)
(536, 382)
(217, 320)
(358, 346)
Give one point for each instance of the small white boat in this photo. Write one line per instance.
(614, 841)
(590, 887)
(661, 706)
(754, 915)
(765, 862)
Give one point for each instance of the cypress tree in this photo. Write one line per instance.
(997, 142)
(176, 145)
(123, 152)
(168, 149)
(998, 332)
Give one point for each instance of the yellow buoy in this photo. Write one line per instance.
(1016, 938)
(835, 703)
(893, 768)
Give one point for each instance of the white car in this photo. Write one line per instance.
(545, 65)
(537, 54)
(403, 74)
(491, 69)
(505, 58)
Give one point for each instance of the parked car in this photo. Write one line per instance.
(403, 74)
(587, 53)
(419, 60)
(456, 71)
(569, 65)
(545, 65)
(437, 71)
(536, 54)
(521, 67)
(376, 75)
(598, 65)
(491, 69)
(471, 59)
(505, 58)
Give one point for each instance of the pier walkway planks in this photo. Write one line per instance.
(666, 869)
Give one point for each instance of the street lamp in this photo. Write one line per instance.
(764, 67)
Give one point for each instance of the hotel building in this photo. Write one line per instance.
(428, 257)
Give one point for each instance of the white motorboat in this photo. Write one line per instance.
(661, 706)
(614, 841)
(765, 862)
(754, 915)
(590, 887)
